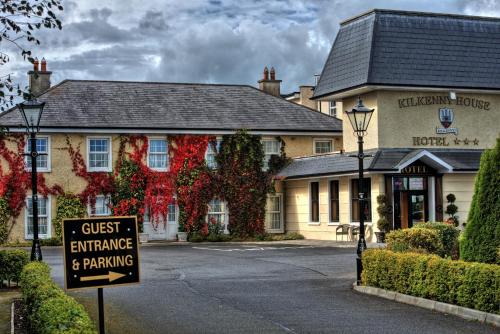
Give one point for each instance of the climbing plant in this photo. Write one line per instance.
(4, 220)
(68, 206)
(245, 184)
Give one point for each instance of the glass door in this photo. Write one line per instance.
(418, 208)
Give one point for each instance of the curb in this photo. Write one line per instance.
(432, 305)
(12, 317)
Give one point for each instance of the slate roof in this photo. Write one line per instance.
(171, 106)
(400, 48)
(382, 160)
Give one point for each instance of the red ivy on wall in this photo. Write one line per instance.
(15, 181)
(134, 186)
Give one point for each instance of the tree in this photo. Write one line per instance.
(481, 239)
(19, 19)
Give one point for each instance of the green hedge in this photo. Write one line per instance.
(11, 264)
(469, 284)
(49, 309)
(433, 238)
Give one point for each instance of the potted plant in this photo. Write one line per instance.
(181, 232)
(451, 209)
(143, 237)
(383, 211)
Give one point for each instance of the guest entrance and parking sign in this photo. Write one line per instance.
(100, 252)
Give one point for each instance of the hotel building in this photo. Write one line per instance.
(434, 82)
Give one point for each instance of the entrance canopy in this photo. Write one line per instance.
(387, 160)
(427, 158)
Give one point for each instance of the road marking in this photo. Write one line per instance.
(251, 249)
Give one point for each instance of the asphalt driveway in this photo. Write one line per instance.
(254, 288)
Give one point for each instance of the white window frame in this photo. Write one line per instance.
(110, 155)
(89, 207)
(218, 142)
(28, 158)
(225, 213)
(267, 157)
(309, 214)
(330, 202)
(49, 219)
(147, 157)
(281, 213)
(317, 140)
(332, 108)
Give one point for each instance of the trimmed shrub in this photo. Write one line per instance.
(448, 236)
(68, 206)
(420, 240)
(473, 285)
(481, 239)
(49, 309)
(11, 264)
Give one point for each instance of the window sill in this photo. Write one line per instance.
(357, 223)
(334, 224)
(38, 170)
(314, 223)
(99, 170)
(40, 236)
(158, 169)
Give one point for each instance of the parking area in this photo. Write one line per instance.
(299, 287)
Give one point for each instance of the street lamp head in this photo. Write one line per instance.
(31, 111)
(360, 117)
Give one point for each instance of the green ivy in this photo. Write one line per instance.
(4, 220)
(245, 184)
(68, 206)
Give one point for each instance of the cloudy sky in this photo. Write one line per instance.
(208, 41)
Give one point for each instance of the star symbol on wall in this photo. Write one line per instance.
(466, 141)
(457, 141)
(476, 141)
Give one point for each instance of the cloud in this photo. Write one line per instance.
(219, 41)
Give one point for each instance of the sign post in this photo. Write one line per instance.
(100, 252)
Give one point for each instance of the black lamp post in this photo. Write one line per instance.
(32, 113)
(360, 117)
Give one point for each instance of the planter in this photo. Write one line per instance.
(143, 238)
(380, 237)
(182, 236)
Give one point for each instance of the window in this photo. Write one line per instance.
(314, 202)
(212, 150)
(334, 201)
(158, 154)
(43, 217)
(217, 212)
(42, 161)
(171, 216)
(273, 212)
(333, 108)
(355, 200)
(271, 147)
(101, 206)
(322, 146)
(99, 154)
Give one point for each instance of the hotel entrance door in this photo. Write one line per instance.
(410, 201)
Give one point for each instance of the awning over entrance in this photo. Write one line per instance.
(427, 158)
(389, 160)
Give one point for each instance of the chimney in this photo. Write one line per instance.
(270, 86)
(305, 95)
(39, 78)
